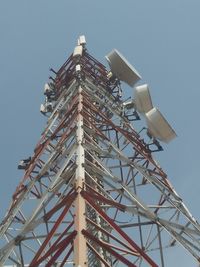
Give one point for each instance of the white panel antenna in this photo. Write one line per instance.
(143, 102)
(82, 40)
(47, 88)
(78, 68)
(42, 109)
(121, 68)
(158, 126)
(78, 51)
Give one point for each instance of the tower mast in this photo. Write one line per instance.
(80, 250)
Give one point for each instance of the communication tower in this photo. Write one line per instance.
(92, 194)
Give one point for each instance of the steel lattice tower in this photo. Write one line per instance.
(92, 194)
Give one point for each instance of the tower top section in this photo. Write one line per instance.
(83, 67)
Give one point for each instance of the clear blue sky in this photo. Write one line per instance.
(160, 38)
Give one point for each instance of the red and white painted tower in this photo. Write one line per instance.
(92, 194)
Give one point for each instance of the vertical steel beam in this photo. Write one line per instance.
(80, 250)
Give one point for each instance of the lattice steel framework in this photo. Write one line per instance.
(92, 194)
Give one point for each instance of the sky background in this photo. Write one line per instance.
(161, 39)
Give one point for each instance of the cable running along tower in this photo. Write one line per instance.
(92, 195)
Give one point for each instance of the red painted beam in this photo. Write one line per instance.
(69, 202)
(109, 249)
(118, 229)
